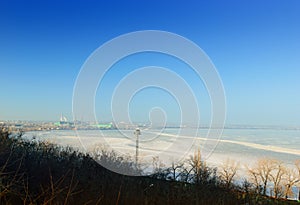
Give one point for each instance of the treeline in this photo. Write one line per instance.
(41, 173)
(266, 177)
(274, 174)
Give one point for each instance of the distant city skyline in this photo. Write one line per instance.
(255, 46)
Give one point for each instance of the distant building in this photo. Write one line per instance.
(105, 126)
(63, 120)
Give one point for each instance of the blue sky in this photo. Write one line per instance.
(255, 45)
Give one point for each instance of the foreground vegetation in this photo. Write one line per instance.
(41, 173)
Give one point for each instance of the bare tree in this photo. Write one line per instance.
(291, 179)
(246, 186)
(228, 171)
(254, 177)
(200, 173)
(199, 168)
(277, 175)
(297, 164)
(261, 173)
(175, 171)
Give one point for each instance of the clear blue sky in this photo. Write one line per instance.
(255, 45)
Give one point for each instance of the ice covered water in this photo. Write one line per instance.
(243, 145)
